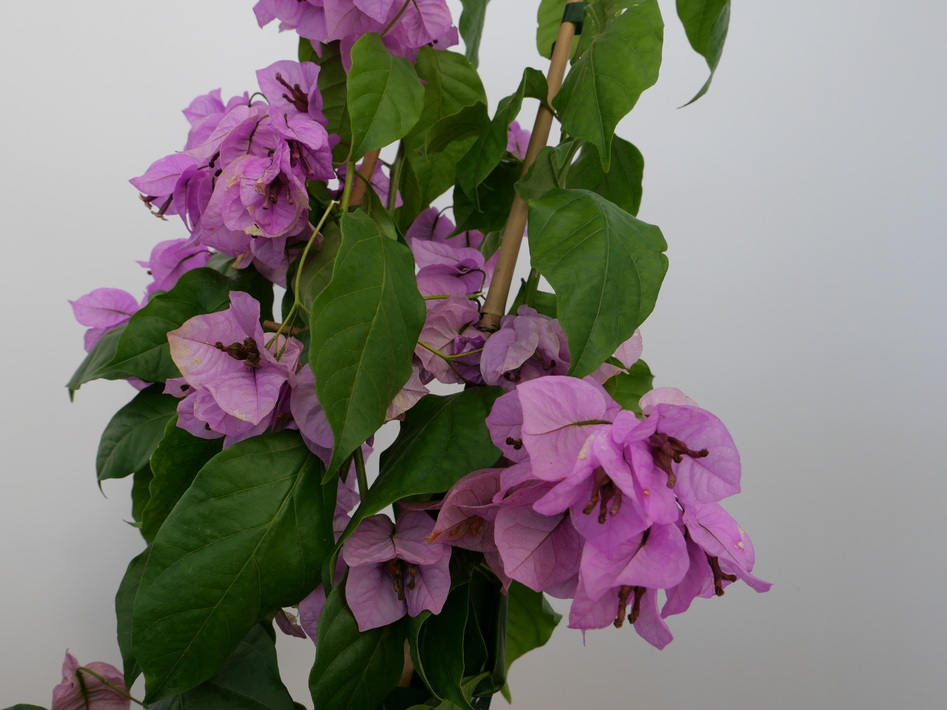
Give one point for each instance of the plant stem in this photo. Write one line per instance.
(394, 177)
(123, 693)
(364, 175)
(360, 475)
(532, 283)
(347, 190)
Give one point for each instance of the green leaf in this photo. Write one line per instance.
(353, 670)
(451, 84)
(628, 388)
(605, 266)
(133, 433)
(365, 326)
(706, 23)
(548, 19)
(543, 302)
(248, 536)
(142, 349)
(606, 80)
(248, 680)
(174, 466)
(442, 439)
(437, 647)
(530, 621)
(621, 184)
(494, 197)
(25, 706)
(317, 271)
(471, 27)
(124, 605)
(468, 687)
(488, 151)
(548, 171)
(141, 483)
(385, 97)
(93, 366)
(333, 85)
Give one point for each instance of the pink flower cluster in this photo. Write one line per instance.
(603, 507)
(405, 25)
(239, 184)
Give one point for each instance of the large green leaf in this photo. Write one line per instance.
(621, 184)
(385, 97)
(248, 680)
(490, 147)
(93, 367)
(706, 23)
(142, 349)
(25, 706)
(353, 670)
(530, 622)
(627, 388)
(471, 27)
(451, 84)
(437, 647)
(365, 326)
(248, 536)
(605, 266)
(174, 466)
(133, 433)
(124, 606)
(606, 80)
(442, 439)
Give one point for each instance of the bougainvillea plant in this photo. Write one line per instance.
(349, 229)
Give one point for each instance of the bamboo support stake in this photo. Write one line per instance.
(494, 305)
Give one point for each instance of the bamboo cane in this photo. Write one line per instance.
(494, 305)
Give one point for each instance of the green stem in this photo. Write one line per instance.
(103, 681)
(349, 181)
(445, 355)
(394, 176)
(360, 475)
(532, 284)
(302, 259)
(396, 18)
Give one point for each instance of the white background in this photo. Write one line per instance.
(802, 199)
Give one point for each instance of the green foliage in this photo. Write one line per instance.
(248, 536)
(471, 26)
(385, 98)
(484, 156)
(353, 670)
(437, 647)
(133, 433)
(365, 326)
(619, 63)
(530, 622)
(124, 607)
(605, 266)
(142, 350)
(627, 388)
(442, 439)
(174, 466)
(706, 23)
(620, 184)
(317, 271)
(248, 680)
(333, 85)
(93, 367)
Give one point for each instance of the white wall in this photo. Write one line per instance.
(802, 200)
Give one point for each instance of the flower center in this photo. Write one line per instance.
(605, 495)
(667, 450)
(246, 351)
(403, 575)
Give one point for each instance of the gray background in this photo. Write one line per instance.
(803, 202)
